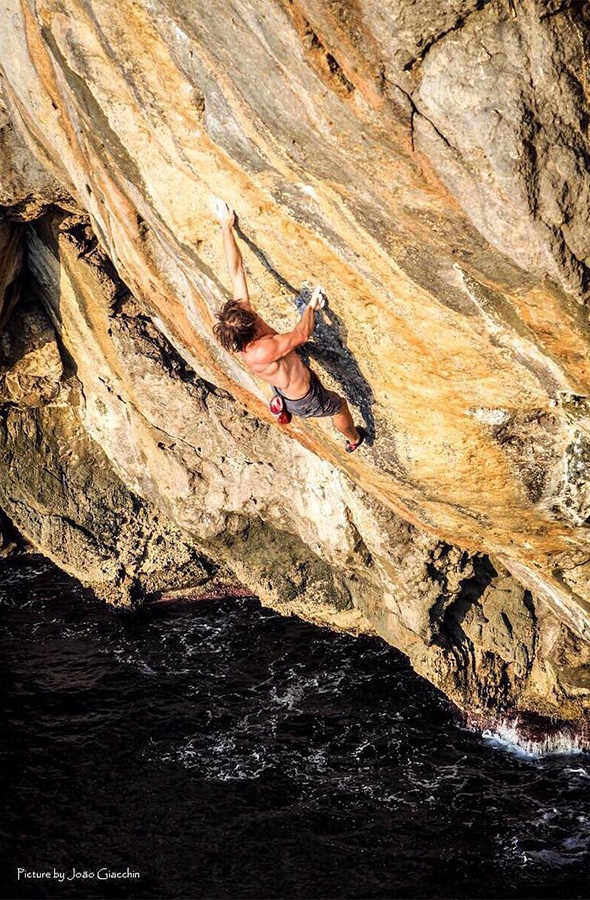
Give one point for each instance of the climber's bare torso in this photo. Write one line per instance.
(289, 374)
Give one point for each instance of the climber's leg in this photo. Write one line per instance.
(344, 423)
(320, 402)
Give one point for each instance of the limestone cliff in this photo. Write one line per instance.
(428, 165)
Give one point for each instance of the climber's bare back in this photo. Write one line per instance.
(289, 374)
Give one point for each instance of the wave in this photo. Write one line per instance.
(515, 736)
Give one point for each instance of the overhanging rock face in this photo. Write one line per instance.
(411, 162)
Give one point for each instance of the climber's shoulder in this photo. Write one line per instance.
(258, 348)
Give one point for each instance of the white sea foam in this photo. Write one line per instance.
(509, 736)
(221, 760)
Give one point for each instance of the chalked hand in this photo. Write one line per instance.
(223, 212)
(318, 299)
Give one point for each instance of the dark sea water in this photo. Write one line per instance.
(223, 751)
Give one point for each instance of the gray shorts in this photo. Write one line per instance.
(317, 402)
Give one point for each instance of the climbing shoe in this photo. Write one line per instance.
(350, 447)
(279, 411)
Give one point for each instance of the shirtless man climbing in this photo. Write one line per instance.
(271, 356)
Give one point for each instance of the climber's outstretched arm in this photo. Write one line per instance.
(235, 263)
(273, 347)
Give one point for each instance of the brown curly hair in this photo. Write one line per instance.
(236, 326)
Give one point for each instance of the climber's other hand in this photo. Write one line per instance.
(317, 300)
(224, 213)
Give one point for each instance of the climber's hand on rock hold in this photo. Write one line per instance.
(318, 300)
(224, 213)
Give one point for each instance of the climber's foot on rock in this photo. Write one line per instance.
(352, 445)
